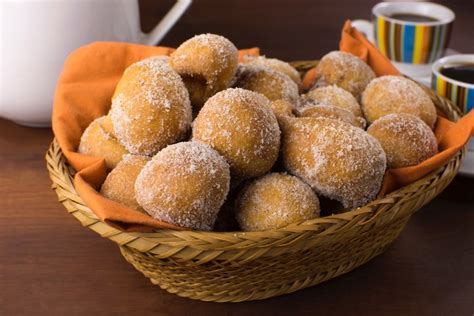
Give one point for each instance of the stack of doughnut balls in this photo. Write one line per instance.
(202, 141)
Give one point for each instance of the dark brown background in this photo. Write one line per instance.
(287, 29)
(50, 265)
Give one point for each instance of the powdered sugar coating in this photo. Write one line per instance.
(405, 138)
(396, 94)
(273, 84)
(241, 126)
(184, 184)
(98, 140)
(275, 200)
(333, 95)
(119, 185)
(207, 64)
(345, 71)
(150, 107)
(337, 160)
(314, 109)
(275, 64)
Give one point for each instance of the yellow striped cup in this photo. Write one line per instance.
(460, 93)
(411, 45)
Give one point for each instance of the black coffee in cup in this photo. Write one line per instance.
(459, 72)
(409, 17)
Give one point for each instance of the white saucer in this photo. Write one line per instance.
(467, 165)
(420, 73)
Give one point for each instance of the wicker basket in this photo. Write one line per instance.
(242, 266)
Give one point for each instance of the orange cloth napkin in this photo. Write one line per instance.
(84, 93)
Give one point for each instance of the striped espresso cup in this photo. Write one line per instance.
(411, 34)
(460, 90)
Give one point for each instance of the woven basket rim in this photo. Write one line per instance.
(446, 106)
(321, 220)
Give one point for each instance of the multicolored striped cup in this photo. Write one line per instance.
(412, 45)
(460, 93)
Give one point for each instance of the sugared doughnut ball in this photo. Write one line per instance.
(336, 96)
(282, 110)
(119, 185)
(345, 71)
(337, 160)
(273, 84)
(184, 184)
(106, 124)
(331, 112)
(241, 126)
(99, 140)
(207, 63)
(150, 107)
(396, 94)
(275, 200)
(275, 64)
(405, 138)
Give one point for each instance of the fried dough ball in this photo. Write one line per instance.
(184, 184)
(405, 138)
(396, 94)
(282, 110)
(275, 200)
(331, 112)
(275, 64)
(207, 63)
(98, 140)
(106, 124)
(337, 160)
(272, 84)
(336, 96)
(150, 107)
(345, 71)
(120, 182)
(241, 126)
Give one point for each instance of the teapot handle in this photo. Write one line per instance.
(160, 30)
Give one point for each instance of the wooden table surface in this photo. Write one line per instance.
(50, 265)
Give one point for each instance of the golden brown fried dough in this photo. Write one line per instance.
(406, 139)
(395, 94)
(150, 107)
(184, 184)
(282, 110)
(207, 63)
(345, 71)
(337, 160)
(272, 84)
(333, 95)
(241, 126)
(275, 200)
(120, 182)
(275, 64)
(98, 140)
(331, 112)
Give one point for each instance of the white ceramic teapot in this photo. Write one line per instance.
(37, 35)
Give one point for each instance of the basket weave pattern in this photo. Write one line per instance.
(241, 266)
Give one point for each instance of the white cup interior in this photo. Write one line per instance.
(442, 14)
